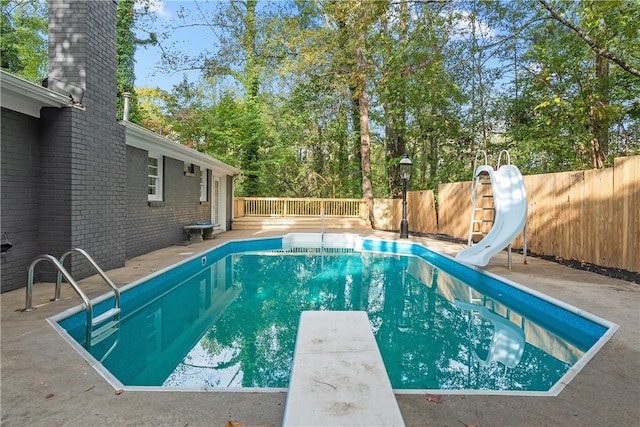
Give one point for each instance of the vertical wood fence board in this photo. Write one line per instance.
(397, 214)
(444, 209)
(536, 196)
(634, 232)
(448, 196)
(569, 204)
(590, 215)
(577, 226)
(619, 216)
(384, 213)
(454, 219)
(421, 212)
(565, 214)
(550, 222)
(627, 209)
(605, 217)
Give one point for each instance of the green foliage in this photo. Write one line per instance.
(126, 44)
(554, 81)
(283, 83)
(550, 122)
(126, 48)
(23, 38)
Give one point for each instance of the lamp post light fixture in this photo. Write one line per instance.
(405, 173)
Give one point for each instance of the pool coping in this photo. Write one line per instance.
(357, 242)
(45, 382)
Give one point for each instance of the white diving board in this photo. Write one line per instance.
(338, 376)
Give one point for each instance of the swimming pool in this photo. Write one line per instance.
(228, 318)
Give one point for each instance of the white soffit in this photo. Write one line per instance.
(139, 137)
(27, 98)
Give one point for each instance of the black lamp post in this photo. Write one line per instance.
(405, 174)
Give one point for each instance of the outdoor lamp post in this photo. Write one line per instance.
(405, 174)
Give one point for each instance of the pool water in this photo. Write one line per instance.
(232, 321)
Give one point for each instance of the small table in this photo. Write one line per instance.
(200, 232)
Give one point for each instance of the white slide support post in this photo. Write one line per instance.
(510, 203)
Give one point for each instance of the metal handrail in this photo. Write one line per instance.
(95, 266)
(67, 276)
(475, 179)
(475, 162)
(500, 157)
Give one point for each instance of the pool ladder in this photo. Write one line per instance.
(93, 336)
(484, 208)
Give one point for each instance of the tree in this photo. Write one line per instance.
(321, 98)
(594, 15)
(240, 50)
(355, 22)
(23, 38)
(613, 38)
(126, 43)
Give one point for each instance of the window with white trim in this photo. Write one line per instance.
(154, 186)
(203, 184)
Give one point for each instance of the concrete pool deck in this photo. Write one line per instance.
(44, 382)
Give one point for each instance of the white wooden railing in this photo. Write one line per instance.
(283, 207)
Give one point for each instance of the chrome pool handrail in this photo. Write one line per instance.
(95, 266)
(61, 271)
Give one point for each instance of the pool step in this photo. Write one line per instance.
(338, 376)
(109, 314)
(103, 332)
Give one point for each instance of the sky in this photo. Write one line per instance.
(190, 41)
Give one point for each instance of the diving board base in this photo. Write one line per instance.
(338, 376)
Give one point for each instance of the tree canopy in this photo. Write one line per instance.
(23, 38)
(323, 97)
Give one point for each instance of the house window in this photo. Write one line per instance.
(215, 201)
(203, 185)
(154, 189)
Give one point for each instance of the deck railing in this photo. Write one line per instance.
(282, 207)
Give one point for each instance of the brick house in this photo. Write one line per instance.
(74, 176)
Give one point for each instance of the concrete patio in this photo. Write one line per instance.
(44, 382)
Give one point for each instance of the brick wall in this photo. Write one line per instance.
(155, 225)
(19, 195)
(68, 178)
(85, 185)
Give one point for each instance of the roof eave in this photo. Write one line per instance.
(139, 137)
(28, 98)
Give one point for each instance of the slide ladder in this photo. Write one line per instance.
(105, 324)
(509, 211)
(482, 212)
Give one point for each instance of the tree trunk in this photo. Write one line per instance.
(254, 134)
(598, 114)
(365, 151)
(395, 111)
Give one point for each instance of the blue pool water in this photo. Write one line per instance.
(229, 318)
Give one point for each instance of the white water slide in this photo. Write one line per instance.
(510, 204)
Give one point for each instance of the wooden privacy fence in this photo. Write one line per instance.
(285, 207)
(421, 213)
(591, 216)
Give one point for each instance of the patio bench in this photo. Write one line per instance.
(200, 231)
